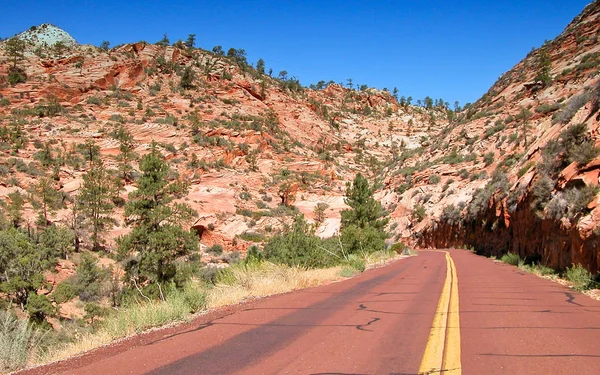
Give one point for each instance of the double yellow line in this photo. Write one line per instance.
(442, 353)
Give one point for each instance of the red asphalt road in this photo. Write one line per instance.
(377, 323)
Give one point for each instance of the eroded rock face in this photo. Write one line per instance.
(253, 151)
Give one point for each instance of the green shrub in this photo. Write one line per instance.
(254, 255)
(64, 292)
(215, 249)
(434, 179)
(539, 269)
(511, 258)
(356, 262)
(488, 158)
(298, 246)
(581, 278)
(252, 237)
(94, 100)
(16, 75)
(525, 168)
(418, 212)
(89, 277)
(348, 271)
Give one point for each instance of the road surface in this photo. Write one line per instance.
(439, 313)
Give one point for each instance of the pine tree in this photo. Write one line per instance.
(15, 207)
(365, 210)
(21, 265)
(164, 42)
(95, 198)
(127, 155)
(47, 198)
(89, 150)
(363, 225)
(15, 50)
(157, 237)
(544, 68)
(187, 79)
(190, 42)
(260, 66)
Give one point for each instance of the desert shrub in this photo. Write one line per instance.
(573, 141)
(525, 168)
(451, 215)
(215, 249)
(542, 192)
(493, 130)
(570, 203)
(584, 152)
(488, 158)
(252, 236)
(209, 274)
(511, 258)
(231, 257)
(512, 202)
(547, 108)
(434, 179)
(94, 100)
(581, 278)
(50, 109)
(539, 269)
(348, 271)
(571, 108)
(481, 197)
(117, 118)
(418, 212)
(557, 207)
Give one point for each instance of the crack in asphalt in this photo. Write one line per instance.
(360, 326)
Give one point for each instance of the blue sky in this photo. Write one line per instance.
(453, 50)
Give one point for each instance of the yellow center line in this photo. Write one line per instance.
(442, 353)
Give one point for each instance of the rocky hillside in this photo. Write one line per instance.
(519, 170)
(254, 149)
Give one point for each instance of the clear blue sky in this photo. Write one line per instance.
(453, 50)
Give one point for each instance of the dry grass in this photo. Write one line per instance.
(242, 282)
